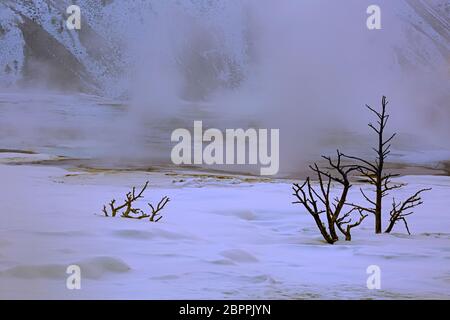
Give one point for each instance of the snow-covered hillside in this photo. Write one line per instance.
(36, 44)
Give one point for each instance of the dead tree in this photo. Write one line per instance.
(374, 172)
(155, 215)
(318, 201)
(131, 197)
(401, 210)
(130, 212)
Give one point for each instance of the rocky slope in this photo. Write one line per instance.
(36, 48)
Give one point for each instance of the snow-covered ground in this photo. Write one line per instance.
(221, 237)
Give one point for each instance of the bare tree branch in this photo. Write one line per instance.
(400, 210)
(159, 207)
(345, 224)
(129, 212)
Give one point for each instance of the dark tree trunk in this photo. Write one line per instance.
(328, 238)
(333, 232)
(390, 227)
(348, 236)
(378, 215)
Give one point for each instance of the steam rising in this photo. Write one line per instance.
(305, 67)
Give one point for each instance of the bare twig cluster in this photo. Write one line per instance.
(318, 202)
(127, 209)
(401, 210)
